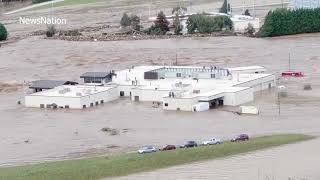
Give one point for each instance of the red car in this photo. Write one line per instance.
(168, 148)
(292, 74)
(241, 137)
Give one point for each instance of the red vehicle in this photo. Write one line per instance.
(241, 137)
(292, 74)
(168, 148)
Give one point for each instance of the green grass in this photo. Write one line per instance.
(125, 164)
(67, 3)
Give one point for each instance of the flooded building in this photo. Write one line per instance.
(184, 88)
(73, 97)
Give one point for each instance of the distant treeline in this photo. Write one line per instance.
(287, 22)
(39, 1)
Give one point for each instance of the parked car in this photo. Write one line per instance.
(189, 144)
(212, 141)
(168, 148)
(241, 137)
(147, 149)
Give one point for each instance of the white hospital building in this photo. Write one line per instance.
(183, 88)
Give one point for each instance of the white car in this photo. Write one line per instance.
(212, 141)
(147, 149)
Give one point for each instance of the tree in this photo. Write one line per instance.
(135, 22)
(225, 8)
(125, 20)
(161, 23)
(3, 33)
(288, 22)
(177, 25)
(247, 13)
(178, 11)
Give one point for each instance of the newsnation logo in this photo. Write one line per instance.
(42, 20)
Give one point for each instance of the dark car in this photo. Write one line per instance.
(241, 137)
(168, 148)
(189, 144)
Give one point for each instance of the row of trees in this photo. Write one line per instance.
(287, 22)
(202, 23)
(3, 32)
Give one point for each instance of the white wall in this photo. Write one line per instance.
(260, 84)
(184, 104)
(240, 26)
(106, 96)
(149, 94)
(126, 89)
(35, 101)
(238, 98)
(72, 102)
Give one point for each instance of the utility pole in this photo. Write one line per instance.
(289, 62)
(150, 8)
(279, 105)
(243, 5)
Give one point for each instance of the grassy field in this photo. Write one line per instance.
(67, 3)
(125, 164)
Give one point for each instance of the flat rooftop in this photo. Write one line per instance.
(73, 91)
(125, 77)
(207, 86)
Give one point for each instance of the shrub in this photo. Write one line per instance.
(51, 31)
(207, 24)
(39, 1)
(72, 33)
(283, 94)
(287, 22)
(249, 30)
(3, 33)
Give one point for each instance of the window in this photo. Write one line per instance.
(166, 104)
(213, 76)
(179, 75)
(41, 105)
(66, 106)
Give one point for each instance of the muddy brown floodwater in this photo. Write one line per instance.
(34, 135)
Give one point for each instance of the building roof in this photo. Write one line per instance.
(95, 75)
(49, 84)
(73, 91)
